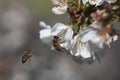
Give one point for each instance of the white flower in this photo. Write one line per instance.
(63, 32)
(81, 49)
(111, 1)
(61, 7)
(93, 2)
(96, 2)
(66, 45)
(56, 2)
(43, 25)
(57, 28)
(90, 34)
(84, 1)
(59, 10)
(86, 52)
(45, 33)
(115, 37)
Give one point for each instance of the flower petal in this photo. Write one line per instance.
(85, 51)
(59, 10)
(66, 45)
(90, 34)
(55, 2)
(100, 2)
(84, 1)
(108, 42)
(57, 28)
(115, 38)
(44, 25)
(69, 34)
(75, 45)
(87, 34)
(96, 2)
(98, 41)
(92, 2)
(111, 1)
(45, 36)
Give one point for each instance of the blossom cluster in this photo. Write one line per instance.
(91, 26)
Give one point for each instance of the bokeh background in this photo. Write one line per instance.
(19, 31)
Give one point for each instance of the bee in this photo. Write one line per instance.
(27, 54)
(56, 44)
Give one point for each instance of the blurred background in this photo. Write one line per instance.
(19, 31)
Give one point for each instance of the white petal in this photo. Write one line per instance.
(69, 34)
(75, 45)
(55, 2)
(66, 45)
(92, 2)
(43, 25)
(88, 35)
(78, 49)
(98, 41)
(96, 2)
(100, 2)
(108, 42)
(115, 38)
(81, 49)
(45, 35)
(59, 10)
(85, 52)
(76, 38)
(84, 1)
(111, 1)
(57, 28)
